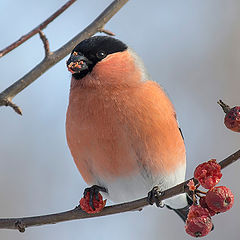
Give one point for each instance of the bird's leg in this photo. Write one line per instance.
(154, 195)
(93, 191)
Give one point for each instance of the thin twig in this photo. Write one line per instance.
(59, 54)
(107, 32)
(45, 43)
(13, 106)
(44, 24)
(77, 213)
(224, 106)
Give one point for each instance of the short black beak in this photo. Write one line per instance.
(77, 63)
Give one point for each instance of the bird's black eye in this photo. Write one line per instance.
(101, 54)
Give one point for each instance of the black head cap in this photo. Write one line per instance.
(91, 51)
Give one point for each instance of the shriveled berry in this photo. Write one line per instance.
(199, 226)
(98, 205)
(202, 202)
(208, 174)
(220, 199)
(232, 119)
(197, 211)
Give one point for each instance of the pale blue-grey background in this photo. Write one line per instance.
(191, 47)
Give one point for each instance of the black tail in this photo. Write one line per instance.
(183, 212)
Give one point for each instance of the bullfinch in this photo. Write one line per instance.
(121, 127)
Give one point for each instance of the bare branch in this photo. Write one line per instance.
(36, 30)
(45, 43)
(77, 213)
(59, 54)
(229, 160)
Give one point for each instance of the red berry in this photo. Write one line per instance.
(199, 226)
(202, 202)
(98, 205)
(197, 211)
(232, 119)
(220, 199)
(208, 174)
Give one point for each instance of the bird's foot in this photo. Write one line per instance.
(154, 196)
(93, 192)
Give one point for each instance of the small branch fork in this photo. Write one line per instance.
(37, 29)
(6, 102)
(51, 58)
(77, 213)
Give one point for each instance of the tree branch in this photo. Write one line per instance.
(50, 60)
(36, 30)
(77, 213)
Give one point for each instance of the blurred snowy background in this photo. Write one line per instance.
(190, 47)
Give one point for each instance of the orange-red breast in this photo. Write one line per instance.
(121, 127)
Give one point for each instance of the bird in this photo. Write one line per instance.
(121, 126)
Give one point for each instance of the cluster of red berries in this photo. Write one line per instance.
(98, 204)
(216, 200)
